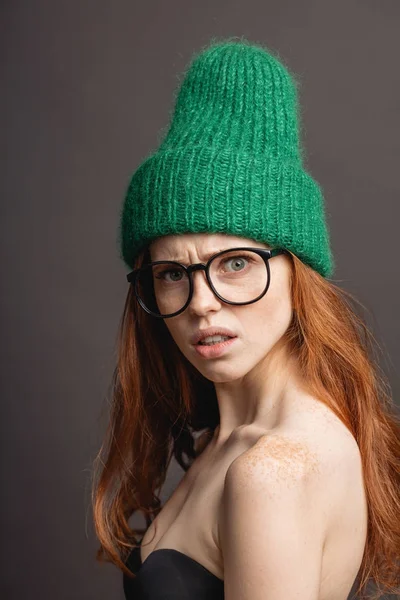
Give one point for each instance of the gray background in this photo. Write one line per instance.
(86, 87)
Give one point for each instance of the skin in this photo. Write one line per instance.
(255, 380)
(278, 490)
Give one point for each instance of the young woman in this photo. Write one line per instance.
(236, 350)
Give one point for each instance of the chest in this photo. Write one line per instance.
(189, 520)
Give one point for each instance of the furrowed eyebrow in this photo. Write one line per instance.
(205, 257)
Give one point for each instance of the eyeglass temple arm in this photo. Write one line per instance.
(277, 251)
(274, 252)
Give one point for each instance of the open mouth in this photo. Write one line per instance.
(214, 339)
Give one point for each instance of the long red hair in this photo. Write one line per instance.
(160, 402)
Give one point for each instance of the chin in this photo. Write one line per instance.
(222, 373)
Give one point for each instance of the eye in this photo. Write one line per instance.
(175, 274)
(238, 263)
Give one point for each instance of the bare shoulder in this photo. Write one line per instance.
(314, 445)
(290, 490)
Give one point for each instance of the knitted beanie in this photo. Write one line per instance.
(230, 162)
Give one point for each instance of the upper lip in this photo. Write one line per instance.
(200, 334)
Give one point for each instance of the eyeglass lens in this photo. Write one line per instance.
(238, 276)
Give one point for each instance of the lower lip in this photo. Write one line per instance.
(216, 349)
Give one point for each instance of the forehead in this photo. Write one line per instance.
(181, 246)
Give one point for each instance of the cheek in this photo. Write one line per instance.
(267, 321)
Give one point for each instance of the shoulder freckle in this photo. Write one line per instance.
(280, 456)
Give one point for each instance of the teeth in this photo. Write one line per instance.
(214, 339)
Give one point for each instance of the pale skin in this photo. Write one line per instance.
(275, 504)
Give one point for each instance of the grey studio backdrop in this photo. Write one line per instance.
(86, 87)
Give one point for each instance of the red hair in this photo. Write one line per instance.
(159, 401)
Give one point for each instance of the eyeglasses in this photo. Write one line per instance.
(164, 288)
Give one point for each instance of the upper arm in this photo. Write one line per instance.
(272, 526)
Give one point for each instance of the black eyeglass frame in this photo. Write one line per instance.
(265, 254)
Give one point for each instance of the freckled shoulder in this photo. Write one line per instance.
(284, 457)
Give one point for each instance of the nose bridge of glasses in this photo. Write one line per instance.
(199, 267)
(196, 267)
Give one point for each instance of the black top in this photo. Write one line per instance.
(168, 574)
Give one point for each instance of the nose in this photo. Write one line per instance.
(203, 300)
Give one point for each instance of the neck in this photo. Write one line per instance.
(263, 398)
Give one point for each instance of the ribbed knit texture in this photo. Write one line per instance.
(231, 161)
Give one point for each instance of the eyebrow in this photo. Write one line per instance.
(205, 256)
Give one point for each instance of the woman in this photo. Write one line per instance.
(232, 330)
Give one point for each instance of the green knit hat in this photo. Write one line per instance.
(231, 161)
